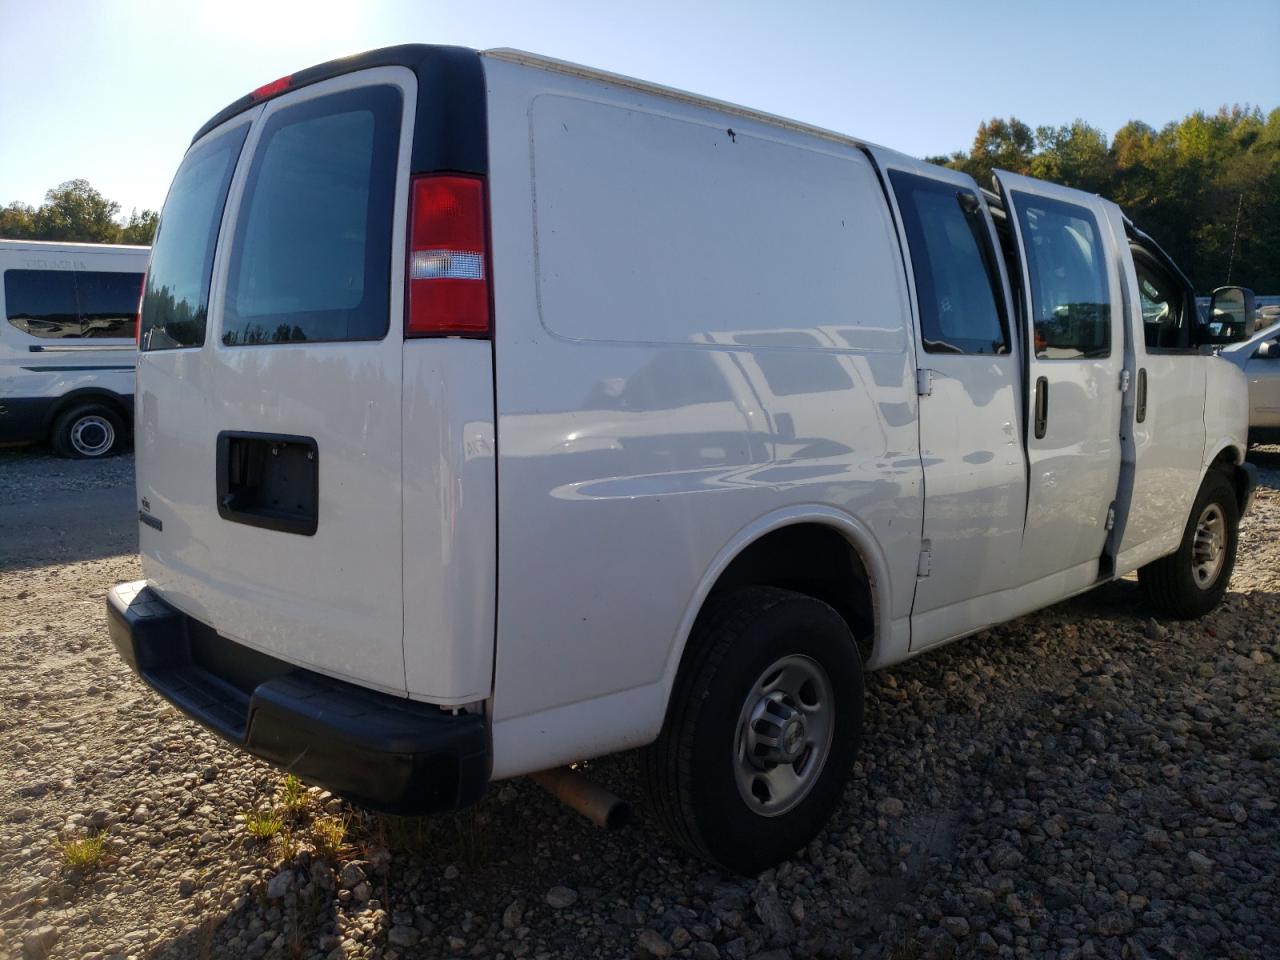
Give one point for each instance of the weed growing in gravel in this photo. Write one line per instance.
(263, 824)
(470, 847)
(410, 835)
(287, 843)
(293, 796)
(84, 854)
(329, 834)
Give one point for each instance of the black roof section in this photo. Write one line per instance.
(449, 131)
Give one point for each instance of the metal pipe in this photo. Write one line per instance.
(604, 809)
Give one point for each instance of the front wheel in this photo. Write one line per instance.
(763, 727)
(1192, 581)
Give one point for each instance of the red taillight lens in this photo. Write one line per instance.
(271, 89)
(447, 282)
(137, 318)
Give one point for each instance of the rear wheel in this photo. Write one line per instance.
(763, 728)
(1192, 581)
(87, 431)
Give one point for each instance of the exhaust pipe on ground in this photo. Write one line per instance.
(604, 809)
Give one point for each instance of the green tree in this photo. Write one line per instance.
(999, 144)
(141, 228)
(1207, 187)
(1075, 154)
(16, 221)
(75, 211)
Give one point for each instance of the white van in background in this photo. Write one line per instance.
(496, 413)
(68, 316)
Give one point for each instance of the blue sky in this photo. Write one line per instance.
(112, 90)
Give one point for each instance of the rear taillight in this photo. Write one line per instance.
(137, 318)
(447, 291)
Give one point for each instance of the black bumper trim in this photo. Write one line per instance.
(1246, 485)
(382, 752)
(25, 418)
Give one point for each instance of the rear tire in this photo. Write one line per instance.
(762, 730)
(88, 431)
(1192, 581)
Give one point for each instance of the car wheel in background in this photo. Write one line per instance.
(88, 431)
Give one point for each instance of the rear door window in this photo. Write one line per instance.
(311, 259)
(176, 301)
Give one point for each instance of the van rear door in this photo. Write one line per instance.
(269, 408)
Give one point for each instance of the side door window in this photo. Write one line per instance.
(108, 303)
(1165, 316)
(962, 307)
(42, 303)
(1070, 301)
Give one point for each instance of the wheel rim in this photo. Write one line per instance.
(783, 736)
(92, 436)
(1209, 547)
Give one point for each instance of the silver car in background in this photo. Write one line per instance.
(1259, 358)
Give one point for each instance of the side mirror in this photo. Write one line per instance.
(1267, 351)
(1230, 316)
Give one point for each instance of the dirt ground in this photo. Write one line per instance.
(1083, 782)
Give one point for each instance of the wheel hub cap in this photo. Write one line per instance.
(784, 735)
(1209, 546)
(92, 436)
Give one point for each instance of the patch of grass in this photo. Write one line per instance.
(412, 835)
(329, 835)
(293, 796)
(287, 843)
(263, 825)
(470, 847)
(84, 854)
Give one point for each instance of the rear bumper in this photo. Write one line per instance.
(379, 751)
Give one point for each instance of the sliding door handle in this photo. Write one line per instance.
(1142, 395)
(1042, 406)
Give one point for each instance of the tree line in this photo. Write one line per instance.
(1206, 187)
(76, 212)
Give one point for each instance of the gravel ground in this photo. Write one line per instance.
(29, 473)
(1083, 782)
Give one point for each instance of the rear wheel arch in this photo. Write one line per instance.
(118, 404)
(758, 554)
(813, 559)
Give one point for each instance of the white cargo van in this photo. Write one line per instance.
(67, 321)
(496, 413)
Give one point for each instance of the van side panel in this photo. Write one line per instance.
(700, 320)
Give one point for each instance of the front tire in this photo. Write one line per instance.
(1192, 581)
(87, 432)
(763, 727)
